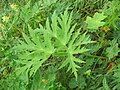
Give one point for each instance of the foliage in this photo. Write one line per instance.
(60, 45)
(95, 22)
(113, 50)
(39, 47)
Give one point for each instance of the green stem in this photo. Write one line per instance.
(94, 56)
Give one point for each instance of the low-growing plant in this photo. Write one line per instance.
(60, 45)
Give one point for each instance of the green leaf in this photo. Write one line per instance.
(93, 23)
(34, 49)
(105, 85)
(117, 74)
(74, 42)
(113, 50)
(73, 83)
(59, 37)
(28, 11)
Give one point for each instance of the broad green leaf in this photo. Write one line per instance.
(93, 23)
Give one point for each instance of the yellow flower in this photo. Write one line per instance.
(14, 6)
(5, 18)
